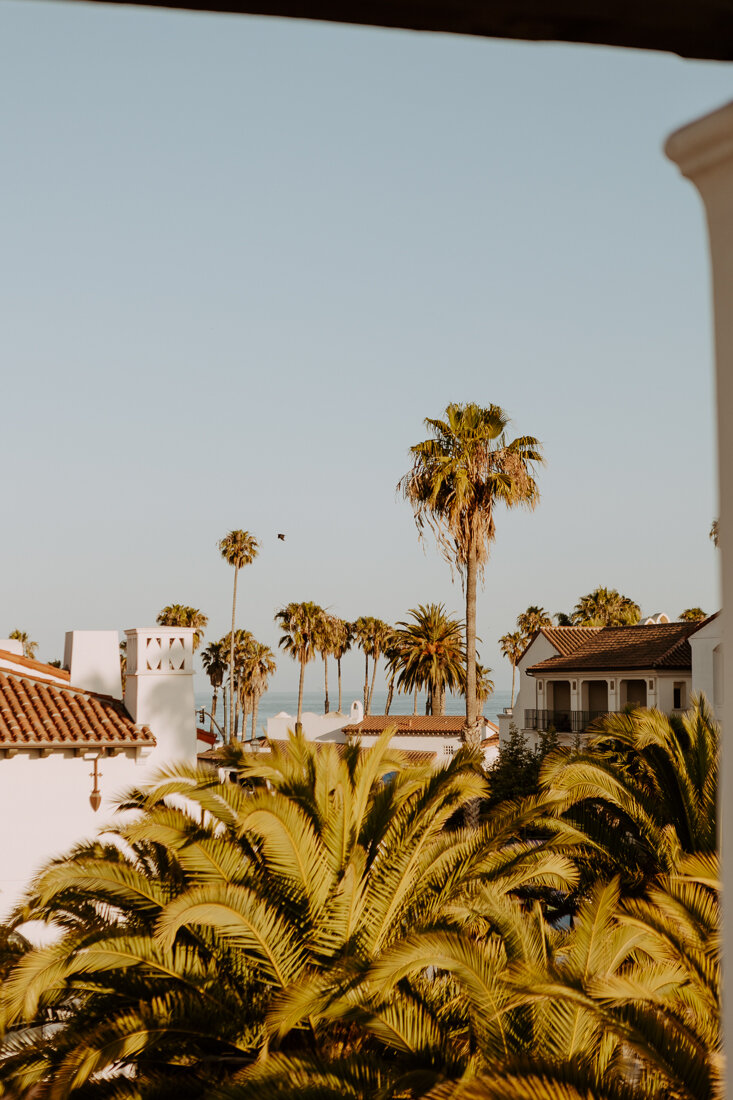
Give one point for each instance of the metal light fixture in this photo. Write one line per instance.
(95, 798)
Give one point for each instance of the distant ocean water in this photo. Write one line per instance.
(276, 701)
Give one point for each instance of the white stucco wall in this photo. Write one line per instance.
(704, 643)
(45, 809)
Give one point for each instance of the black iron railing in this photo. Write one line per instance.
(562, 721)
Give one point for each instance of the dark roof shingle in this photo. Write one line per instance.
(622, 648)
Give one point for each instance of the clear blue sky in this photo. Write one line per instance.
(242, 259)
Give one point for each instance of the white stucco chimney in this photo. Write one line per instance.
(159, 689)
(93, 660)
(12, 645)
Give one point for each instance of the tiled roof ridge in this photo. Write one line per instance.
(30, 662)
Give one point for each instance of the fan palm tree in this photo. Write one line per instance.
(606, 607)
(260, 667)
(458, 477)
(532, 620)
(512, 647)
(300, 623)
(325, 643)
(30, 648)
(214, 660)
(429, 653)
(343, 636)
(177, 614)
(484, 686)
(238, 548)
(362, 634)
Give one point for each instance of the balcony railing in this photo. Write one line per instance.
(562, 721)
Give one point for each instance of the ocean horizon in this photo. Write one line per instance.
(274, 702)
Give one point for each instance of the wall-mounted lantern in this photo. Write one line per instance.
(95, 798)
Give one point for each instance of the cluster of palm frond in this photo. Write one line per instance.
(313, 930)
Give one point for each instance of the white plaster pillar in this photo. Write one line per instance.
(159, 690)
(704, 153)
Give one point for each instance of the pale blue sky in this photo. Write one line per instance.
(243, 259)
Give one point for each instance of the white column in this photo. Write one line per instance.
(704, 153)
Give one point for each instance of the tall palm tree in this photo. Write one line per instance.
(484, 686)
(177, 614)
(238, 548)
(300, 623)
(343, 636)
(429, 654)
(325, 643)
(362, 631)
(30, 648)
(532, 620)
(458, 477)
(214, 660)
(260, 667)
(606, 607)
(244, 643)
(381, 633)
(512, 647)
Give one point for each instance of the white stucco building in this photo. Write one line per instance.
(571, 675)
(70, 743)
(426, 739)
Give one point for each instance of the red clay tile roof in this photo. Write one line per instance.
(625, 648)
(411, 724)
(37, 714)
(566, 639)
(34, 666)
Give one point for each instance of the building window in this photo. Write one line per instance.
(539, 687)
(679, 702)
(448, 750)
(612, 685)
(651, 685)
(575, 685)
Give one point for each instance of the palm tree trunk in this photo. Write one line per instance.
(414, 702)
(255, 707)
(429, 700)
(471, 732)
(213, 710)
(338, 666)
(298, 720)
(390, 693)
(245, 712)
(366, 681)
(325, 679)
(441, 700)
(231, 659)
(375, 659)
(224, 712)
(514, 670)
(237, 708)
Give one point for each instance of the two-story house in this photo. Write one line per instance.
(571, 675)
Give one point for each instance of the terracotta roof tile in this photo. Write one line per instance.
(411, 724)
(621, 648)
(36, 713)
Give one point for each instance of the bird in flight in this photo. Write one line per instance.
(281, 537)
